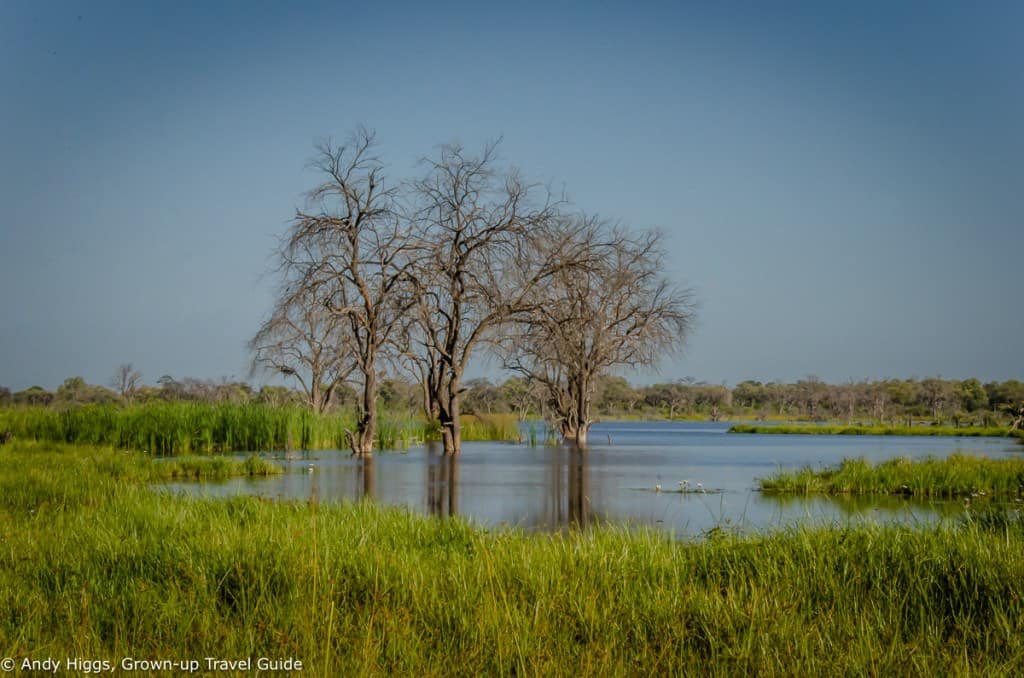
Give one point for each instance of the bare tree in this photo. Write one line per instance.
(712, 399)
(941, 397)
(303, 340)
(350, 248)
(1018, 420)
(522, 395)
(880, 400)
(126, 381)
(476, 268)
(613, 309)
(812, 392)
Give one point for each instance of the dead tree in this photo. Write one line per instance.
(126, 381)
(351, 247)
(476, 265)
(1018, 421)
(613, 309)
(523, 396)
(303, 340)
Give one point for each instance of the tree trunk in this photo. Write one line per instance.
(451, 428)
(361, 441)
(573, 412)
(315, 398)
(449, 416)
(431, 408)
(574, 431)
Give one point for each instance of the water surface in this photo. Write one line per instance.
(548, 488)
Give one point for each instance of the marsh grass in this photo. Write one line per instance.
(955, 476)
(540, 433)
(165, 428)
(169, 428)
(215, 468)
(500, 427)
(138, 469)
(852, 430)
(95, 563)
(399, 431)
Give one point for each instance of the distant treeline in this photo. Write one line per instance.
(891, 401)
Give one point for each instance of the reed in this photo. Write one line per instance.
(955, 476)
(97, 564)
(490, 427)
(165, 428)
(215, 468)
(170, 428)
(399, 431)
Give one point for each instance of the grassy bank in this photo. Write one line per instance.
(955, 476)
(852, 430)
(96, 564)
(166, 428)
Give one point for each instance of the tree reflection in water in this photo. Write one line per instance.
(442, 481)
(366, 479)
(568, 488)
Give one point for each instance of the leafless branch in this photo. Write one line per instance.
(610, 307)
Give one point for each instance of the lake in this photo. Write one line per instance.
(551, 488)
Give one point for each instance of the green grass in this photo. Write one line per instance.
(399, 431)
(216, 468)
(168, 428)
(955, 476)
(139, 469)
(852, 430)
(490, 427)
(94, 563)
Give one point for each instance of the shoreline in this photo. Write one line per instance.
(855, 430)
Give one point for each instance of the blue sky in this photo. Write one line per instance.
(841, 186)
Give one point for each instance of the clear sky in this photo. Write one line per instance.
(843, 187)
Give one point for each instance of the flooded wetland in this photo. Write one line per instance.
(687, 478)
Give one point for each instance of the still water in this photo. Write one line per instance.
(548, 488)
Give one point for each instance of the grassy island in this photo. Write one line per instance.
(955, 476)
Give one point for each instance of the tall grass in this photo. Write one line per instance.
(215, 468)
(166, 428)
(397, 431)
(490, 427)
(853, 430)
(136, 468)
(955, 476)
(96, 564)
